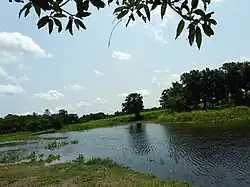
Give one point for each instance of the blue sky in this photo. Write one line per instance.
(81, 74)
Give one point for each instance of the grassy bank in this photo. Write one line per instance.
(199, 117)
(212, 117)
(96, 172)
(25, 136)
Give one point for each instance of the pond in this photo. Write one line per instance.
(203, 156)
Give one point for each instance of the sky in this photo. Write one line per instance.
(82, 74)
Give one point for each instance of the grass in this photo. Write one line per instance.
(25, 136)
(96, 172)
(197, 118)
(200, 117)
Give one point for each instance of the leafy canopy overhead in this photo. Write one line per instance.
(194, 17)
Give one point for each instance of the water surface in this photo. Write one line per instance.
(203, 156)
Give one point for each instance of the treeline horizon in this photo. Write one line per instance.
(226, 86)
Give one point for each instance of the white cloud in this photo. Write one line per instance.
(101, 101)
(165, 80)
(9, 89)
(242, 58)
(121, 55)
(97, 72)
(83, 104)
(74, 87)
(143, 92)
(49, 95)
(161, 71)
(14, 46)
(69, 108)
(16, 80)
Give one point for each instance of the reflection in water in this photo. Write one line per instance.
(207, 157)
(138, 139)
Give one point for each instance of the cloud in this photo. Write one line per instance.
(97, 72)
(242, 58)
(165, 80)
(74, 87)
(121, 55)
(49, 95)
(143, 92)
(82, 104)
(9, 89)
(69, 108)
(16, 80)
(14, 46)
(161, 71)
(101, 101)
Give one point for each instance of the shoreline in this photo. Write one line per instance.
(104, 172)
(229, 117)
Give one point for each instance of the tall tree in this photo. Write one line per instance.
(133, 104)
(193, 17)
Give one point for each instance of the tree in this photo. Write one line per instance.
(197, 17)
(173, 98)
(133, 104)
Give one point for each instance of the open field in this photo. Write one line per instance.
(96, 172)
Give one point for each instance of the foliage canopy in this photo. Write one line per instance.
(194, 14)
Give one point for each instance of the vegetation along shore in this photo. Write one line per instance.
(94, 172)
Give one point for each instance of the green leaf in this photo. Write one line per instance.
(191, 36)
(24, 7)
(138, 7)
(119, 9)
(58, 24)
(122, 14)
(147, 11)
(144, 19)
(98, 3)
(194, 4)
(163, 8)
(208, 16)
(198, 37)
(110, 1)
(180, 28)
(69, 26)
(42, 22)
(51, 23)
(212, 21)
(79, 24)
(83, 14)
(27, 11)
(155, 4)
(38, 10)
(207, 30)
(59, 15)
(85, 5)
(200, 12)
(128, 20)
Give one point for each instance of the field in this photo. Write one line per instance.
(96, 172)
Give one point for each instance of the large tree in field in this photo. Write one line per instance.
(133, 104)
(193, 14)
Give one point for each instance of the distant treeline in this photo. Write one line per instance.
(229, 85)
(39, 122)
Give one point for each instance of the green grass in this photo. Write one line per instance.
(25, 136)
(17, 136)
(199, 117)
(96, 172)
